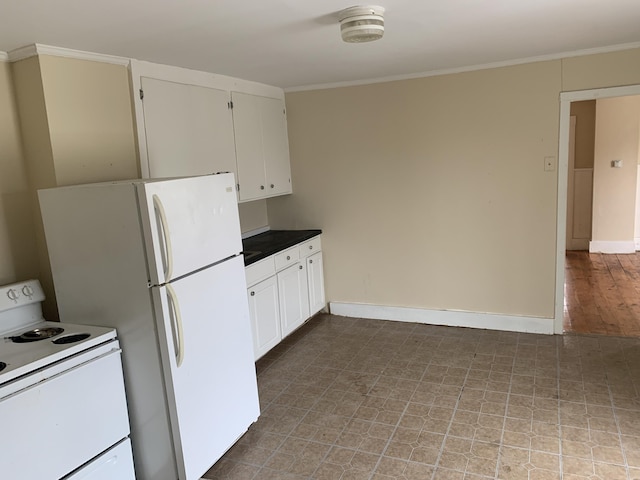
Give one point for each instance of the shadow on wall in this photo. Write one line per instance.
(17, 243)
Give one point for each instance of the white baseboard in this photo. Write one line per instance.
(637, 242)
(578, 244)
(598, 246)
(451, 318)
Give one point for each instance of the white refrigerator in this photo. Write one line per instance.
(160, 261)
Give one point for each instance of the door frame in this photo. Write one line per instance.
(570, 179)
(563, 172)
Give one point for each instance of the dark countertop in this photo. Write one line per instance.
(268, 243)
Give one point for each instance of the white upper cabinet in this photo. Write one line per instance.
(189, 129)
(196, 123)
(276, 146)
(262, 147)
(247, 126)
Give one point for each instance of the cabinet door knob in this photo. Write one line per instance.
(310, 247)
(310, 261)
(253, 294)
(300, 267)
(261, 187)
(272, 185)
(288, 257)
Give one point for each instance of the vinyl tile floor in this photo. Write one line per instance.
(351, 399)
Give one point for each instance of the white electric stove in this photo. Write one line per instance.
(62, 395)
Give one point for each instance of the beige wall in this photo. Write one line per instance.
(585, 113)
(601, 71)
(76, 120)
(77, 126)
(17, 243)
(253, 215)
(431, 192)
(614, 189)
(90, 120)
(34, 124)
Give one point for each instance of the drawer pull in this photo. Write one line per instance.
(253, 294)
(288, 257)
(261, 187)
(310, 247)
(272, 185)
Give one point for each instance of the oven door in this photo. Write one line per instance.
(115, 463)
(59, 418)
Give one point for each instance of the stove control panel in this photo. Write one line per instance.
(18, 294)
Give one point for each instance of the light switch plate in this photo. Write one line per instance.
(616, 163)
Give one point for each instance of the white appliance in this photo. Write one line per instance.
(63, 411)
(160, 261)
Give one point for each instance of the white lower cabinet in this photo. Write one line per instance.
(284, 291)
(315, 280)
(293, 294)
(265, 315)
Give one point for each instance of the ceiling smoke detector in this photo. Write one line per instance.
(362, 24)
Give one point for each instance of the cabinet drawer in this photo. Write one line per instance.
(287, 257)
(310, 247)
(258, 271)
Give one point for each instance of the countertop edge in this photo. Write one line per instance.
(272, 242)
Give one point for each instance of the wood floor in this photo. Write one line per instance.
(602, 293)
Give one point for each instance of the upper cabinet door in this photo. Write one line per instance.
(188, 128)
(276, 146)
(247, 125)
(262, 146)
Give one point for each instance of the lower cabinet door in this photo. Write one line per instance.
(265, 315)
(315, 276)
(294, 297)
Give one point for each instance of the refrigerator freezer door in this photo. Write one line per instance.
(213, 395)
(189, 223)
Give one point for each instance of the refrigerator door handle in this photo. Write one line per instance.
(164, 227)
(177, 325)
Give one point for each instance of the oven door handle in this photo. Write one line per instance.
(166, 236)
(177, 325)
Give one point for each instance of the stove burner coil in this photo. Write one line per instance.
(76, 337)
(2, 366)
(37, 334)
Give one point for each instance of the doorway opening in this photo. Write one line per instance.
(601, 275)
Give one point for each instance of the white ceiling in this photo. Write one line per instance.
(296, 43)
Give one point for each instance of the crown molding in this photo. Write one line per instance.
(22, 53)
(470, 68)
(4, 57)
(39, 49)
